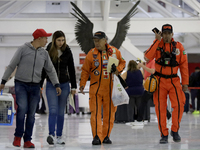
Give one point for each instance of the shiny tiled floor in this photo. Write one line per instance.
(77, 134)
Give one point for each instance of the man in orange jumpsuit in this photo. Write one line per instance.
(100, 92)
(169, 56)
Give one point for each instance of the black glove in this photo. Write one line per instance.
(113, 68)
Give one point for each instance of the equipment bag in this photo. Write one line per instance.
(151, 84)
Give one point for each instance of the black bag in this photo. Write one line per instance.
(122, 81)
(121, 115)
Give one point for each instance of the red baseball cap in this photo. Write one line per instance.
(40, 33)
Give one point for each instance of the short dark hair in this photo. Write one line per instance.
(197, 68)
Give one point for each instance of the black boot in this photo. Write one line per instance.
(107, 140)
(96, 141)
(164, 139)
(176, 137)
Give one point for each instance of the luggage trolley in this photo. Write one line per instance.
(7, 109)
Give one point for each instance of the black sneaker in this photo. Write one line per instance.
(51, 140)
(176, 137)
(96, 141)
(164, 139)
(107, 140)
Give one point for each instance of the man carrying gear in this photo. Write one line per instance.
(101, 84)
(170, 56)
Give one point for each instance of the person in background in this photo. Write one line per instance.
(194, 82)
(62, 59)
(30, 59)
(135, 90)
(148, 69)
(101, 83)
(169, 56)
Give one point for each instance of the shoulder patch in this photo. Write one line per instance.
(177, 51)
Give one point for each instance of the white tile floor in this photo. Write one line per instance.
(77, 134)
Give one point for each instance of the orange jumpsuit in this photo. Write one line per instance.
(169, 85)
(100, 92)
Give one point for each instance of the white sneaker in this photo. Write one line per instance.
(60, 140)
(129, 123)
(51, 140)
(137, 123)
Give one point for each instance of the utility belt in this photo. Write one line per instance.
(167, 63)
(165, 76)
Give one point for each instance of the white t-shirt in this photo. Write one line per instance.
(59, 53)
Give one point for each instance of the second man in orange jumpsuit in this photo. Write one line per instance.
(169, 56)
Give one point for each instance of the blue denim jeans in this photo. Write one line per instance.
(27, 99)
(57, 105)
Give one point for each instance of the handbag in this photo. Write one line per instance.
(119, 95)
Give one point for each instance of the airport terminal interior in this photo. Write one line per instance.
(20, 18)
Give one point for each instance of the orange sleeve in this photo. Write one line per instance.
(183, 65)
(122, 62)
(85, 70)
(151, 52)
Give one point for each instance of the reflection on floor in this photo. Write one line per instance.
(77, 134)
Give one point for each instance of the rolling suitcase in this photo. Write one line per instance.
(121, 115)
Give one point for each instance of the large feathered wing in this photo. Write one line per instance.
(122, 27)
(83, 30)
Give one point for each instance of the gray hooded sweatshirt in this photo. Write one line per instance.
(30, 63)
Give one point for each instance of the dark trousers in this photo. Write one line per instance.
(145, 98)
(135, 100)
(186, 106)
(195, 93)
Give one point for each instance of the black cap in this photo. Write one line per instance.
(167, 27)
(99, 35)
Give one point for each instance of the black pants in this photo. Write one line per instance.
(135, 100)
(145, 98)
